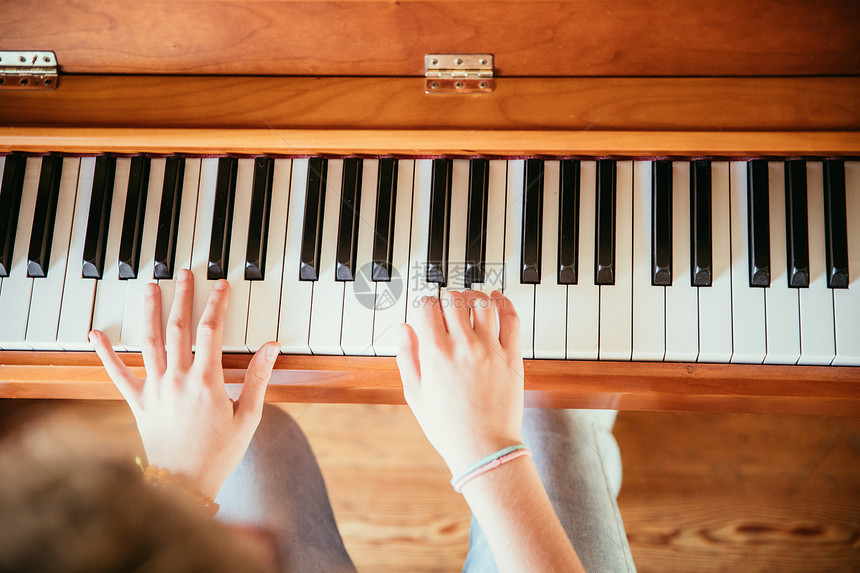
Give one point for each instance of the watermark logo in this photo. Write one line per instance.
(381, 295)
(377, 295)
(458, 273)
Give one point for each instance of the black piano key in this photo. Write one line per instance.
(476, 222)
(44, 217)
(701, 248)
(532, 222)
(440, 212)
(98, 219)
(168, 218)
(796, 233)
(132, 221)
(604, 245)
(258, 222)
(347, 233)
(222, 220)
(309, 267)
(661, 223)
(10, 204)
(759, 225)
(835, 227)
(568, 223)
(383, 237)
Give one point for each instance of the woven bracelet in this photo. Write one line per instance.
(487, 464)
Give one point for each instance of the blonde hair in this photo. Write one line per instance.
(69, 503)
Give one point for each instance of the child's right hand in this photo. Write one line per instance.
(464, 381)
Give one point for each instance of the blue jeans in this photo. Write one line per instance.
(579, 464)
(279, 487)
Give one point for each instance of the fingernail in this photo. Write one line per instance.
(220, 284)
(183, 275)
(151, 289)
(272, 352)
(91, 337)
(405, 335)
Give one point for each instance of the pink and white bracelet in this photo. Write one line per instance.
(487, 464)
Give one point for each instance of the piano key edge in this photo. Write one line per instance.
(549, 383)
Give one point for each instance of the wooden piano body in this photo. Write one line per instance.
(575, 78)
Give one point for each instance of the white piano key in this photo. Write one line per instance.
(550, 297)
(417, 285)
(682, 301)
(359, 294)
(47, 297)
(521, 295)
(202, 240)
(236, 320)
(184, 235)
(583, 298)
(616, 301)
(133, 316)
(715, 302)
(817, 331)
(391, 297)
(649, 311)
(457, 223)
(2, 169)
(847, 301)
(266, 294)
(494, 253)
(295, 314)
(748, 317)
(327, 305)
(78, 296)
(15, 289)
(782, 308)
(110, 291)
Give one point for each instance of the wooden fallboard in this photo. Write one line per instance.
(559, 38)
(548, 383)
(632, 117)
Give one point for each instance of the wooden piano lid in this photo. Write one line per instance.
(633, 78)
(571, 38)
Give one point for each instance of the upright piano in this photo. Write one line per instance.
(668, 191)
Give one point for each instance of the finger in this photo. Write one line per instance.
(408, 363)
(431, 323)
(456, 311)
(250, 404)
(509, 324)
(179, 321)
(152, 348)
(210, 331)
(127, 383)
(483, 315)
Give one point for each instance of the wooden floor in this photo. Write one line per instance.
(702, 492)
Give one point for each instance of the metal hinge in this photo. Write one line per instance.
(458, 73)
(28, 70)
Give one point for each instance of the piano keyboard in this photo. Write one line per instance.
(709, 261)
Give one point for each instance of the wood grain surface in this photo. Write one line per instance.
(701, 492)
(547, 104)
(418, 144)
(588, 117)
(740, 492)
(390, 38)
(548, 383)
